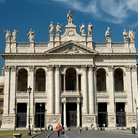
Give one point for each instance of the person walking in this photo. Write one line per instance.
(58, 128)
(79, 128)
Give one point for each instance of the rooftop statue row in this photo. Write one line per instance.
(59, 29)
(128, 36)
(12, 37)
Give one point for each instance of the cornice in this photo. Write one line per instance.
(118, 54)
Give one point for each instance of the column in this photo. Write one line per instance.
(57, 90)
(13, 90)
(91, 91)
(6, 105)
(64, 82)
(95, 89)
(128, 86)
(77, 82)
(84, 91)
(110, 89)
(78, 112)
(31, 84)
(50, 92)
(134, 85)
(64, 104)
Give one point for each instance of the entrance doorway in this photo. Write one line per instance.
(120, 114)
(39, 115)
(102, 114)
(71, 114)
(21, 114)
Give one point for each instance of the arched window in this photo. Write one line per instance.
(40, 80)
(118, 80)
(101, 80)
(71, 79)
(22, 80)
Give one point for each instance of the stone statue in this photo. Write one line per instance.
(51, 28)
(82, 29)
(70, 17)
(8, 35)
(125, 35)
(90, 27)
(31, 35)
(14, 35)
(108, 35)
(58, 29)
(132, 35)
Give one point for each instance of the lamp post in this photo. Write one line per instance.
(29, 130)
(136, 118)
(40, 117)
(45, 119)
(14, 119)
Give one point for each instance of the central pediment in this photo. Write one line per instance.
(70, 47)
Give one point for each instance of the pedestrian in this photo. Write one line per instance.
(58, 128)
(92, 126)
(79, 128)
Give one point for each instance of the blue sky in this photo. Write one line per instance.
(37, 14)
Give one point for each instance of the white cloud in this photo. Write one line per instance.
(115, 11)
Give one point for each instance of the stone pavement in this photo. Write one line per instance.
(112, 133)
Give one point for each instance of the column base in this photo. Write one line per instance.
(8, 122)
(88, 120)
(112, 120)
(53, 120)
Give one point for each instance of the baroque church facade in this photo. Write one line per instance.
(74, 80)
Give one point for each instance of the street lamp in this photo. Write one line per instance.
(40, 117)
(45, 119)
(136, 118)
(14, 119)
(29, 131)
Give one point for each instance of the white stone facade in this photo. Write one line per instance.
(74, 80)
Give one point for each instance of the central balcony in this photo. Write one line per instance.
(70, 93)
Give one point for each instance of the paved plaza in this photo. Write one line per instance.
(92, 134)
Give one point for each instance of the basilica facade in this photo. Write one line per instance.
(74, 80)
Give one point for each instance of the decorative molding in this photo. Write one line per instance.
(50, 68)
(7, 68)
(13, 68)
(31, 68)
(110, 68)
(127, 68)
(133, 68)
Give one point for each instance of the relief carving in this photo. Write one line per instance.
(8, 121)
(131, 120)
(88, 120)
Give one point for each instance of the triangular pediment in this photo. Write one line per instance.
(70, 47)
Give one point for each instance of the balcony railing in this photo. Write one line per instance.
(71, 93)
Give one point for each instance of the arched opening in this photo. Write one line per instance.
(101, 80)
(40, 80)
(71, 79)
(118, 79)
(22, 80)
